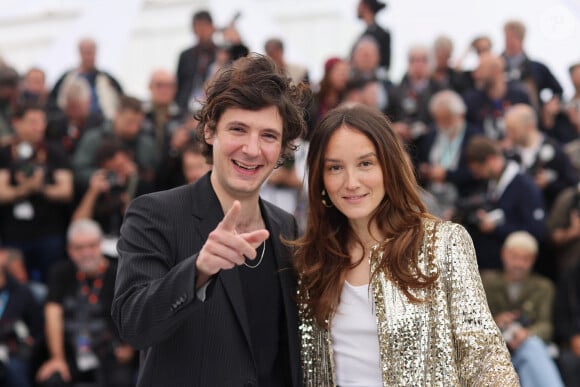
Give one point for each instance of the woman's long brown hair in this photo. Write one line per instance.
(322, 256)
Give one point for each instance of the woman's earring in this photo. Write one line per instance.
(324, 203)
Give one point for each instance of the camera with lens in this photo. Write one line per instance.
(16, 336)
(115, 184)
(25, 159)
(466, 209)
(523, 321)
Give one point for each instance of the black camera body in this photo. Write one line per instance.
(467, 207)
(25, 159)
(115, 184)
(15, 333)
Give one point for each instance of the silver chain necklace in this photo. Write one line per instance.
(261, 257)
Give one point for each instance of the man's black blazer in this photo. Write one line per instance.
(186, 342)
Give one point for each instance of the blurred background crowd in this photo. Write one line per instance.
(495, 146)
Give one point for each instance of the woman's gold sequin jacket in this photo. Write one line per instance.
(450, 340)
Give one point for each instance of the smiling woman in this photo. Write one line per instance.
(379, 296)
(353, 176)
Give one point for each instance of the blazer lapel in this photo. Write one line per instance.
(207, 208)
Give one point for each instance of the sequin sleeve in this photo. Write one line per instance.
(315, 351)
(483, 358)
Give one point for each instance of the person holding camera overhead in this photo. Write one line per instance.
(36, 186)
(521, 304)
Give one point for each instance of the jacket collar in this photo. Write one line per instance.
(208, 211)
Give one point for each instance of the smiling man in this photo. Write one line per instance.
(208, 298)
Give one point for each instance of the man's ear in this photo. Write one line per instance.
(208, 135)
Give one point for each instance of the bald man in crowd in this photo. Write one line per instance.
(492, 96)
(539, 155)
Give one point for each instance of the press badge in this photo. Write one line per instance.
(23, 211)
(4, 354)
(85, 357)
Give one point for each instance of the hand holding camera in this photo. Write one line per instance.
(488, 221)
(515, 335)
(29, 170)
(33, 182)
(99, 182)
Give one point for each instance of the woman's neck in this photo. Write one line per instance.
(367, 236)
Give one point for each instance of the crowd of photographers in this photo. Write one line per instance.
(496, 148)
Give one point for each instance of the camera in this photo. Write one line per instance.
(16, 335)
(115, 184)
(467, 207)
(509, 333)
(523, 321)
(25, 159)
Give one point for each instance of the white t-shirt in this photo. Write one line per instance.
(355, 341)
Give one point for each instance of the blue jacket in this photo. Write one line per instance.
(523, 208)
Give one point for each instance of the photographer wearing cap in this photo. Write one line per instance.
(35, 190)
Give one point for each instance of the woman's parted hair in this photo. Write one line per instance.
(322, 258)
(254, 82)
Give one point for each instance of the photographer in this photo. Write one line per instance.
(20, 328)
(540, 156)
(512, 201)
(35, 191)
(521, 304)
(72, 117)
(82, 344)
(564, 228)
(443, 168)
(111, 189)
(126, 128)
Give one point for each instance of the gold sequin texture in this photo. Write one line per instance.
(449, 340)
